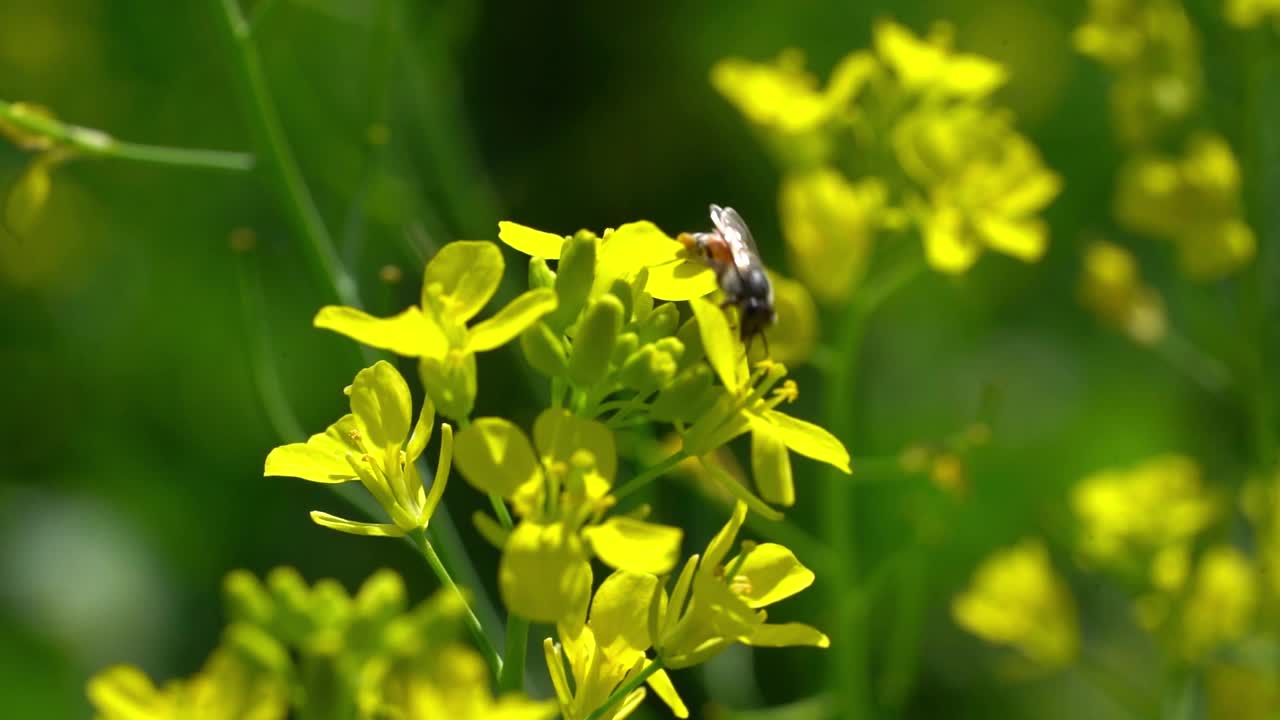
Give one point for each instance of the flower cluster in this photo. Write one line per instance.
(310, 651)
(1193, 200)
(955, 169)
(1113, 289)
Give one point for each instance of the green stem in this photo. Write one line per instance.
(646, 476)
(515, 651)
(100, 144)
(469, 617)
(626, 689)
(274, 400)
(277, 157)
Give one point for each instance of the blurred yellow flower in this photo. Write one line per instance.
(376, 444)
(1156, 504)
(608, 650)
(1016, 599)
(715, 603)
(459, 281)
(1223, 599)
(1252, 13)
(1112, 287)
(795, 334)
(225, 689)
(1193, 201)
(983, 185)
(453, 684)
(829, 224)
(928, 66)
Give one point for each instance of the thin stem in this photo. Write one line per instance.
(274, 400)
(500, 509)
(277, 156)
(515, 651)
(1204, 369)
(626, 689)
(646, 476)
(100, 144)
(469, 618)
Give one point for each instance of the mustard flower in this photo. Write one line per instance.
(1158, 503)
(748, 404)
(716, 603)
(1252, 13)
(378, 444)
(1223, 599)
(459, 281)
(928, 66)
(454, 685)
(829, 224)
(1112, 287)
(225, 689)
(1193, 201)
(561, 493)
(1016, 599)
(983, 185)
(608, 650)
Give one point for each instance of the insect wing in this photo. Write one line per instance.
(735, 231)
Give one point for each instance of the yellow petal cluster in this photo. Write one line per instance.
(1112, 287)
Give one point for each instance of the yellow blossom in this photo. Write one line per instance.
(1112, 287)
(459, 281)
(829, 224)
(716, 603)
(1222, 601)
(561, 492)
(608, 650)
(225, 689)
(1016, 599)
(376, 444)
(928, 66)
(1252, 13)
(1193, 201)
(453, 684)
(1155, 504)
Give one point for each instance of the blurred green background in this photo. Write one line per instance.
(133, 435)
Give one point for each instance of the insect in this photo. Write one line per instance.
(730, 251)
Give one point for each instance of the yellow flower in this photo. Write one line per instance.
(1252, 13)
(225, 689)
(1194, 201)
(373, 444)
(1016, 599)
(608, 650)
(1112, 287)
(929, 67)
(829, 224)
(983, 185)
(1223, 599)
(561, 493)
(459, 281)
(743, 407)
(715, 603)
(454, 685)
(1155, 504)
(795, 334)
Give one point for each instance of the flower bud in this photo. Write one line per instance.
(621, 289)
(574, 276)
(593, 344)
(544, 350)
(540, 274)
(686, 397)
(648, 369)
(626, 345)
(660, 323)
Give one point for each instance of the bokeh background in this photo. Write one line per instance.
(133, 434)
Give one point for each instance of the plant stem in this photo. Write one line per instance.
(100, 144)
(626, 689)
(274, 400)
(469, 617)
(514, 653)
(646, 476)
(276, 155)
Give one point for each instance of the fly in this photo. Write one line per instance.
(730, 251)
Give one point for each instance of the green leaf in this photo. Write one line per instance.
(511, 320)
(468, 273)
(718, 342)
(495, 457)
(629, 544)
(410, 333)
(529, 241)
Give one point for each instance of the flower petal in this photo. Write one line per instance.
(333, 522)
(467, 272)
(558, 434)
(1024, 239)
(495, 457)
(544, 574)
(718, 342)
(773, 573)
(322, 458)
(510, 321)
(720, 545)
(410, 333)
(382, 407)
(803, 437)
(620, 615)
(661, 685)
(630, 544)
(421, 430)
(636, 245)
(529, 241)
(771, 467)
(787, 635)
(680, 280)
(519, 707)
